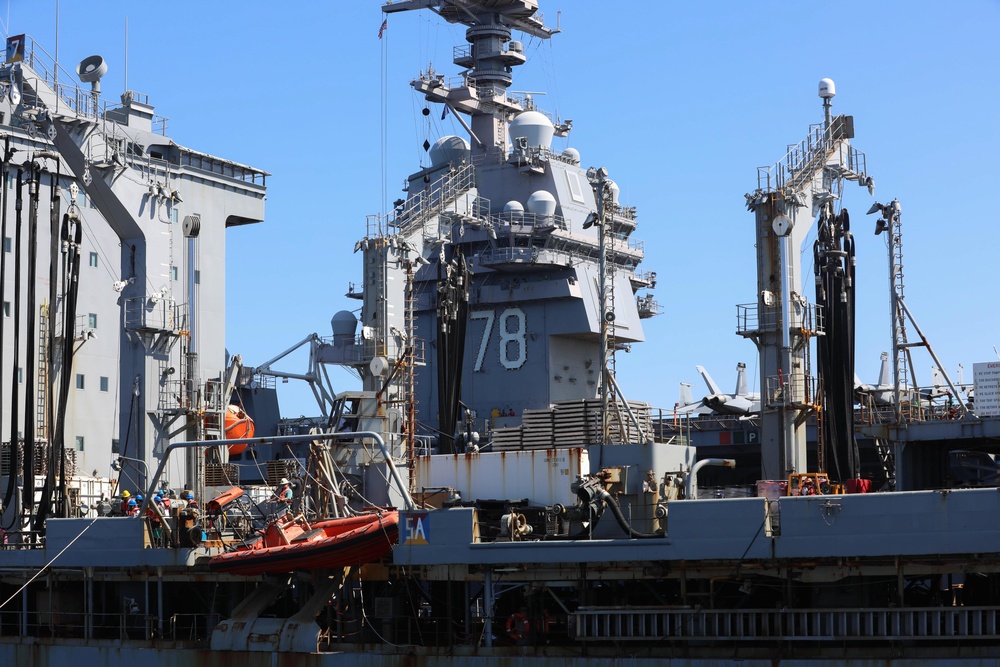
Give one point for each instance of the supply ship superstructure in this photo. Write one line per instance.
(543, 516)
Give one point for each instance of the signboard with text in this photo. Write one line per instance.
(986, 377)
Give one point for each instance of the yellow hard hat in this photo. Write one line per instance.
(126, 494)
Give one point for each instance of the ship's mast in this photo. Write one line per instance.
(789, 197)
(488, 59)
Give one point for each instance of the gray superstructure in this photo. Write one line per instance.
(148, 342)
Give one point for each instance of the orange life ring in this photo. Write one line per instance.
(237, 425)
(517, 626)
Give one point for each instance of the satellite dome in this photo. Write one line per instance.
(533, 126)
(615, 190)
(572, 155)
(513, 210)
(344, 323)
(451, 149)
(542, 204)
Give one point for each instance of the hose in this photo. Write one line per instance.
(622, 521)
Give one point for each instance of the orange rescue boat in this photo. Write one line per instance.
(288, 544)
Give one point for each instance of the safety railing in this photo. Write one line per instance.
(923, 624)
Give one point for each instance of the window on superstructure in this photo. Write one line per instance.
(79, 443)
(173, 273)
(7, 244)
(93, 259)
(197, 277)
(115, 446)
(6, 308)
(174, 215)
(104, 383)
(20, 375)
(92, 320)
(79, 381)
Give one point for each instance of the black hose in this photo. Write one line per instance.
(30, 368)
(835, 262)
(4, 201)
(15, 453)
(53, 451)
(617, 511)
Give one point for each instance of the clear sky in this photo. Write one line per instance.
(681, 101)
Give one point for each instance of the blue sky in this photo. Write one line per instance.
(680, 101)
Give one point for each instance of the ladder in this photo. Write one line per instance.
(42, 388)
(900, 346)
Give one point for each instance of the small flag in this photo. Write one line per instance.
(385, 24)
(444, 112)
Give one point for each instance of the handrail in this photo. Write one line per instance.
(341, 435)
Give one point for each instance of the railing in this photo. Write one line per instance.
(788, 390)
(750, 320)
(805, 159)
(423, 205)
(144, 314)
(78, 99)
(928, 624)
(193, 628)
(509, 255)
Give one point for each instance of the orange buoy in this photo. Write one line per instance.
(238, 425)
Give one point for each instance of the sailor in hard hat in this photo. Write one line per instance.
(283, 494)
(126, 496)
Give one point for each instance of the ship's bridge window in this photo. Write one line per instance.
(92, 320)
(173, 273)
(6, 308)
(93, 259)
(6, 244)
(79, 443)
(104, 383)
(79, 381)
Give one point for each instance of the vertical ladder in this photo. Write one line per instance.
(411, 374)
(42, 388)
(617, 421)
(901, 353)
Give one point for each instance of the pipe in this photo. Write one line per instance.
(488, 607)
(691, 492)
(358, 435)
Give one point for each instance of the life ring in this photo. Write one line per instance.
(517, 626)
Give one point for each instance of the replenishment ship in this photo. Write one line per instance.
(489, 493)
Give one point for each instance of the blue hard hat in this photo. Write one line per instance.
(138, 496)
(189, 496)
(131, 503)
